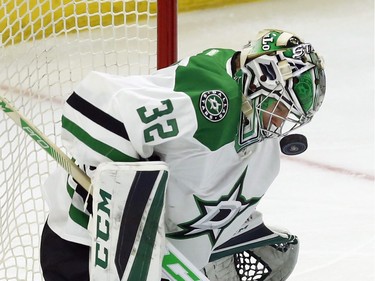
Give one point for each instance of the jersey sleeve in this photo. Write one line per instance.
(123, 119)
(155, 114)
(92, 129)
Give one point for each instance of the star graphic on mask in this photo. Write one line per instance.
(215, 216)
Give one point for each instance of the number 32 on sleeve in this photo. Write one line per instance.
(165, 109)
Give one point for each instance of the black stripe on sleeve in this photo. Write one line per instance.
(96, 115)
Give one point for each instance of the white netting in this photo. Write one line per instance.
(243, 266)
(46, 47)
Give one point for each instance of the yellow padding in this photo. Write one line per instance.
(189, 5)
(34, 19)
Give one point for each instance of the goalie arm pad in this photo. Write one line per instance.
(128, 221)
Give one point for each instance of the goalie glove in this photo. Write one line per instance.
(268, 263)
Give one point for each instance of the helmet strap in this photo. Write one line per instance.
(246, 107)
(285, 69)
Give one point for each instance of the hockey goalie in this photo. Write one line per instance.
(179, 161)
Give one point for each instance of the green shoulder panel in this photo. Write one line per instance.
(215, 95)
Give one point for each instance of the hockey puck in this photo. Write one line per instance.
(293, 144)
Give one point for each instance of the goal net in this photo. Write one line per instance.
(46, 48)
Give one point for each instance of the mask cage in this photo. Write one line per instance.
(263, 80)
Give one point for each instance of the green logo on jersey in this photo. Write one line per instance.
(214, 105)
(216, 215)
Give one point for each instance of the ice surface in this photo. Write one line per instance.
(326, 195)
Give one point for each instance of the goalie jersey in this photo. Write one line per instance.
(189, 116)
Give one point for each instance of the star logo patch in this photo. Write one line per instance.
(213, 105)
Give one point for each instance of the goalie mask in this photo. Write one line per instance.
(280, 73)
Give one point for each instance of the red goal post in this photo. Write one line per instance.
(47, 47)
(167, 33)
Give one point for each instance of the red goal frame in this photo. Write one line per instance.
(166, 33)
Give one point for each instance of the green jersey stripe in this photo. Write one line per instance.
(102, 148)
(78, 216)
(69, 189)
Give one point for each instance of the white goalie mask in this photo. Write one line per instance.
(279, 70)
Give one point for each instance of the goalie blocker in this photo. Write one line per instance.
(128, 235)
(128, 221)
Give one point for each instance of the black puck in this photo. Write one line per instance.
(293, 144)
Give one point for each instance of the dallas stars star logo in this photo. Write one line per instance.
(214, 105)
(215, 216)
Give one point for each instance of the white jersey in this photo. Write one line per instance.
(188, 115)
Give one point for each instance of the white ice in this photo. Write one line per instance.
(325, 195)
